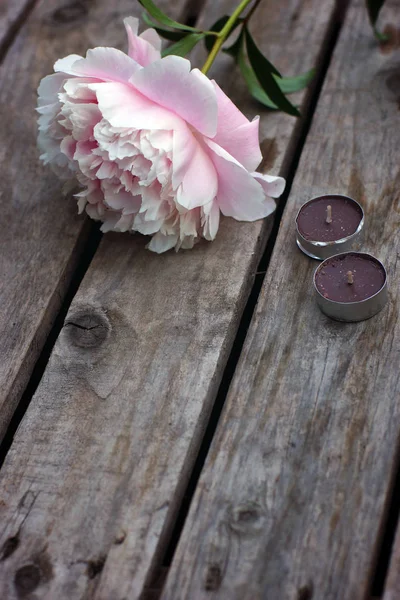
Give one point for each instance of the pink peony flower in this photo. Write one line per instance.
(157, 147)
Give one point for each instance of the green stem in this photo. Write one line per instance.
(223, 35)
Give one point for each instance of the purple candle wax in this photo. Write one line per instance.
(350, 277)
(329, 218)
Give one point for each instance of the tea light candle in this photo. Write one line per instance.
(351, 286)
(327, 225)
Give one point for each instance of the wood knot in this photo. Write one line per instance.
(120, 538)
(306, 592)
(246, 518)
(27, 579)
(88, 327)
(95, 566)
(213, 578)
(9, 547)
(69, 13)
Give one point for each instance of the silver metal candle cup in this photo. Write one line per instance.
(323, 250)
(352, 312)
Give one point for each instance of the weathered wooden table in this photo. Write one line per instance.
(190, 426)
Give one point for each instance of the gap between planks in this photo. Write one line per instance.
(157, 578)
(90, 246)
(385, 581)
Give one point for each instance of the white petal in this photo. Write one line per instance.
(161, 243)
(273, 186)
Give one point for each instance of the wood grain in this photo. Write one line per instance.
(291, 500)
(42, 236)
(98, 467)
(12, 14)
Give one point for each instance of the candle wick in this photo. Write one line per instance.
(350, 277)
(329, 214)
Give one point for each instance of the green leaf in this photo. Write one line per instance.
(185, 45)
(173, 36)
(264, 72)
(285, 83)
(289, 85)
(251, 81)
(257, 57)
(161, 17)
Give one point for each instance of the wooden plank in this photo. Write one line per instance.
(97, 470)
(12, 14)
(42, 236)
(291, 499)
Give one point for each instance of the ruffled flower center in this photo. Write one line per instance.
(126, 173)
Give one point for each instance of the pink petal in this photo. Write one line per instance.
(183, 151)
(145, 226)
(124, 201)
(189, 94)
(194, 174)
(273, 186)
(131, 26)
(151, 36)
(141, 48)
(107, 64)
(236, 134)
(77, 88)
(123, 106)
(239, 195)
(124, 223)
(107, 170)
(68, 146)
(84, 117)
